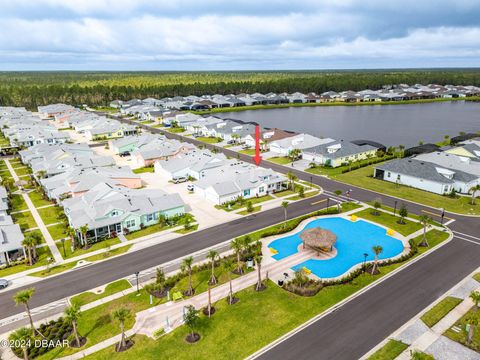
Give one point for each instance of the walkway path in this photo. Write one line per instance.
(41, 225)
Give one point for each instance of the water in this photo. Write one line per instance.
(390, 125)
(353, 240)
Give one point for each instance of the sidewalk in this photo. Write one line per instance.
(41, 225)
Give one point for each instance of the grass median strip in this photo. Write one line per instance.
(390, 221)
(440, 310)
(389, 351)
(110, 289)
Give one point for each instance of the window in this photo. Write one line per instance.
(114, 213)
(246, 192)
(261, 189)
(150, 217)
(130, 223)
(398, 177)
(389, 174)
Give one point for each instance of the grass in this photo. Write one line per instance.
(25, 220)
(67, 266)
(43, 254)
(144, 169)
(50, 214)
(57, 231)
(17, 203)
(209, 140)
(440, 310)
(81, 251)
(237, 205)
(282, 160)
(39, 233)
(146, 231)
(38, 200)
(285, 193)
(419, 355)
(23, 171)
(255, 209)
(389, 351)
(110, 289)
(250, 152)
(461, 336)
(390, 221)
(175, 130)
(363, 178)
(477, 277)
(412, 216)
(330, 171)
(184, 231)
(305, 195)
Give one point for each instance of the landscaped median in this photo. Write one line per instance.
(389, 351)
(440, 310)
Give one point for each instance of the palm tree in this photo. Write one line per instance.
(258, 261)
(473, 190)
(71, 234)
(121, 315)
(425, 220)
(187, 266)
(294, 154)
(237, 247)
(285, 206)
(229, 266)
(22, 336)
(23, 297)
(402, 148)
(212, 256)
(72, 314)
(291, 178)
(83, 230)
(475, 296)
(377, 250)
(28, 243)
(41, 174)
(473, 322)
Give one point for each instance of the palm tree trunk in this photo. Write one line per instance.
(34, 251)
(374, 265)
(239, 268)
(209, 301)
(77, 338)
(27, 309)
(213, 280)
(190, 281)
(25, 353)
(29, 251)
(470, 334)
(231, 290)
(472, 200)
(122, 340)
(259, 283)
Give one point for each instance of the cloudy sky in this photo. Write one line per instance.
(237, 35)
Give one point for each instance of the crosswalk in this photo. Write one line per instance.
(466, 237)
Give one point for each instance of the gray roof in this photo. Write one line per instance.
(11, 237)
(345, 148)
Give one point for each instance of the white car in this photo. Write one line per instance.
(191, 187)
(3, 283)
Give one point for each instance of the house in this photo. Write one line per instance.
(148, 154)
(11, 238)
(267, 136)
(3, 201)
(76, 182)
(110, 130)
(338, 153)
(128, 144)
(240, 180)
(283, 146)
(49, 111)
(108, 210)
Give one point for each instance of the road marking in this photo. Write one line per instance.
(435, 214)
(469, 240)
(318, 202)
(467, 235)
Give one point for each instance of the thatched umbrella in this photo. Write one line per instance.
(318, 239)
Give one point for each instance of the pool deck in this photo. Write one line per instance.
(324, 256)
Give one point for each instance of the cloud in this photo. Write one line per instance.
(214, 34)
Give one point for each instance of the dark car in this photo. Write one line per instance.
(3, 283)
(123, 154)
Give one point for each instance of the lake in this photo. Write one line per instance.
(388, 124)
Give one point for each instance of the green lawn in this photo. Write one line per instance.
(329, 171)
(81, 251)
(410, 215)
(440, 310)
(67, 266)
(255, 209)
(18, 203)
(175, 130)
(146, 231)
(57, 231)
(390, 221)
(282, 160)
(250, 152)
(145, 169)
(461, 336)
(363, 178)
(38, 200)
(209, 140)
(237, 205)
(25, 220)
(23, 171)
(110, 289)
(285, 193)
(43, 254)
(418, 355)
(305, 195)
(477, 277)
(50, 214)
(389, 351)
(183, 231)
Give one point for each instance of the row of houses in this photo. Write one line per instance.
(449, 169)
(11, 236)
(388, 93)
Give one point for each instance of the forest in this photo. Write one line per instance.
(30, 89)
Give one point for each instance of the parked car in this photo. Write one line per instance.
(231, 142)
(3, 283)
(191, 187)
(180, 179)
(123, 154)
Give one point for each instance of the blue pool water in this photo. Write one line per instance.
(353, 240)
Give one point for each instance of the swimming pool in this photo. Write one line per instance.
(353, 240)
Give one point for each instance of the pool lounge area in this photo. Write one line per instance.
(354, 239)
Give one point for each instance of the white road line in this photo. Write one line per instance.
(467, 235)
(469, 240)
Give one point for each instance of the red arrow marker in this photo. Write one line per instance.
(257, 158)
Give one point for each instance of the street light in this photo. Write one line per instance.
(328, 203)
(63, 245)
(443, 214)
(395, 208)
(136, 275)
(311, 181)
(365, 261)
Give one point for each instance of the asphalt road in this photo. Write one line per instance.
(346, 333)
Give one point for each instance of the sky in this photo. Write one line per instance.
(238, 35)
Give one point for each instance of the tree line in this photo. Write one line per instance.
(31, 89)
